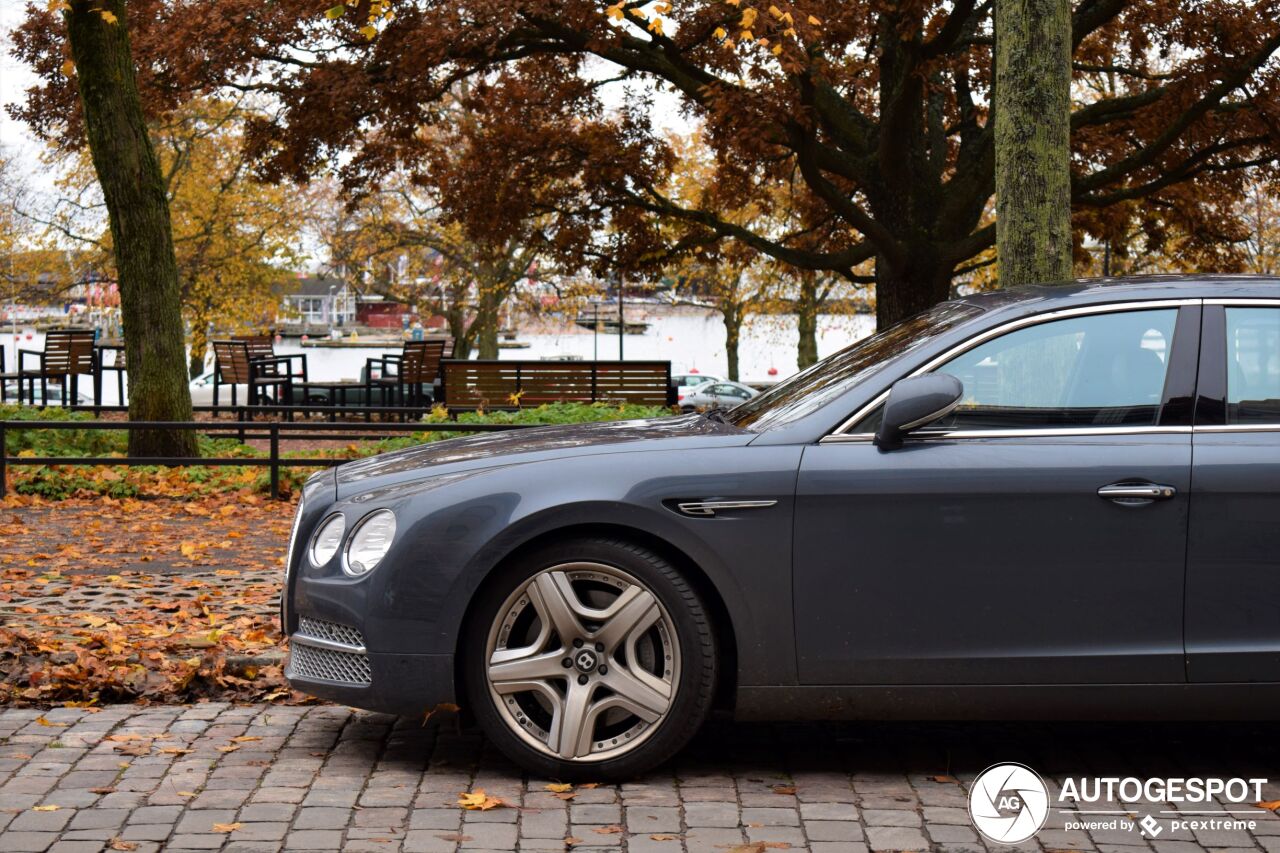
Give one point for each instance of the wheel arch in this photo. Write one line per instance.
(726, 640)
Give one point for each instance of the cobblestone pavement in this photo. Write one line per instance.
(266, 778)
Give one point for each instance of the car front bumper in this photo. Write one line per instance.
(329, 660)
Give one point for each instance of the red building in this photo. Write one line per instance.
(381, 314)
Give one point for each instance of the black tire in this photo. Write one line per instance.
(694, 688)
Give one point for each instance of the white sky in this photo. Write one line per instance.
(15, 77)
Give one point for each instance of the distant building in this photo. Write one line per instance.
(321, 301)
(379, 313)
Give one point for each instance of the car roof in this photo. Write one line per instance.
(1097, 290)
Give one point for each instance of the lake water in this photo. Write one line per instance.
(688, 338)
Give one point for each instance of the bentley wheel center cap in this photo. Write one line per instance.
(585, 660)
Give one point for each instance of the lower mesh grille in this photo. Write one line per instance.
(329, 665)
(331, 631)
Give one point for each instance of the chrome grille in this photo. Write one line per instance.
(328, 665)
(331, 631)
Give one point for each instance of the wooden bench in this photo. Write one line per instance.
(495, 384)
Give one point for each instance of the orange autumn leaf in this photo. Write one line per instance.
(478, 800)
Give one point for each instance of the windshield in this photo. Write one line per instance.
(813, 388)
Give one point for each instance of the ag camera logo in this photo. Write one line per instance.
(1008, 803)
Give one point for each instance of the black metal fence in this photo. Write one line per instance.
(273, 432)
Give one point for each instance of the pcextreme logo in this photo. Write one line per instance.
(1009, 803)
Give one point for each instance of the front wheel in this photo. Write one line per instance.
(590, 659)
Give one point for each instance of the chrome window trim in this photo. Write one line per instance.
(839, 434)
(938, 435)
(1211, 428)
(1065, 432)
(1257, 301)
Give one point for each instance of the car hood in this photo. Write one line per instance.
(535, 444)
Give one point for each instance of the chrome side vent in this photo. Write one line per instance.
(708, 509)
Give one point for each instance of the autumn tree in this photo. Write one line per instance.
(738, 284)
(730, 274)
(101, 72)
(740, 279)
(392, 240)
(15, 230)
(878, 115)
(1259, 212)
(233, 234)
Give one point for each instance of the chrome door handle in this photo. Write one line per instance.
(1137, 491)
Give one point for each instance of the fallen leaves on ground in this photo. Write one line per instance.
(558, 787)
(784, 789)
(100, 600)
(226, 827)
(46, 808)
(121, 844)
(612, 829)
(1269, 805)
(478, 800)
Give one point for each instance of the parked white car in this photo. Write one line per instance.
(202, 390)
(720, 393)
(692, 380)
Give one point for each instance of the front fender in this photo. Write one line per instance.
(456, 529)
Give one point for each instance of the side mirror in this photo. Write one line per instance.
(914, 402)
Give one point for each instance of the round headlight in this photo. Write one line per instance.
(328, 540)
(370, 542)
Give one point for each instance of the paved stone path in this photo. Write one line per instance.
(266, 778)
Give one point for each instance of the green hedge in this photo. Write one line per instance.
(62, 481)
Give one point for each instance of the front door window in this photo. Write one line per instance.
(1096, 370)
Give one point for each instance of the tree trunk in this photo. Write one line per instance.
(732, 314)
(486, 321)
(455, 315)
(199, 344)
(1033, 140)
(150, 304)
(902, 292)
(807, 320)
(200, 324)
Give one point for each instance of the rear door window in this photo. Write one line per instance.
(1253, 365)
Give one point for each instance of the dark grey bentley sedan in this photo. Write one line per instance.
(1050, 502)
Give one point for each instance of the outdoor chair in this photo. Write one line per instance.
(262, 351)
(5, 378)
(101, 368)
(408, 378)
(67, 355)
(235, 366)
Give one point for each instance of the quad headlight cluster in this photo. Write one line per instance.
(362, 550)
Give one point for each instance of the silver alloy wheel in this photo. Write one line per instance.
(583, 662)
